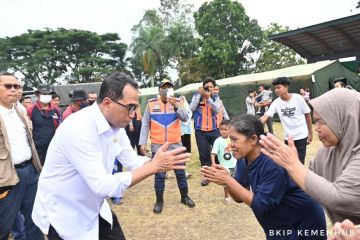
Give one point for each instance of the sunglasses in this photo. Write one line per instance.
(130, 107)
(10, 86)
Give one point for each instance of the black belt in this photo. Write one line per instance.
(23, 164)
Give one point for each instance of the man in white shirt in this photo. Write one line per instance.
(294, 115)
(19, 162)
(77, 175)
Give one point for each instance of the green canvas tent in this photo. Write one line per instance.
(145, 95)
(318, 77)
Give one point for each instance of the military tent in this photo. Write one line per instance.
(319, 77)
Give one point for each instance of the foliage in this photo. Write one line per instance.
(229, 37)
(191, 70)
(162, 39)
(275, 55)
(50, 56)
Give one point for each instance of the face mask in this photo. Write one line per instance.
(91, 102)
(45, 99)
(83, 105)
(163, 92)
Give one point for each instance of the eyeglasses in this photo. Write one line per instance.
(130, 107)
(10, 86)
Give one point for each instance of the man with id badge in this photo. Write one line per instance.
(162, 120)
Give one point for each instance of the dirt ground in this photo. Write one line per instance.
(210, 219)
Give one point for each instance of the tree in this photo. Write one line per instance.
(229, 37)
(176, 12)
(191, 70)
(50, 56)
(180, 44)
(276, 55)
(163, 38)
(148, 45)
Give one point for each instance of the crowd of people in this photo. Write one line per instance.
(69, 165)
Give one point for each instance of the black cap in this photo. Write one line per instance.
(78, 94)
(45, 89)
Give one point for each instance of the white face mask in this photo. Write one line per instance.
(45, 99)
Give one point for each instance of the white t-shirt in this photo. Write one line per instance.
(250, 109)
(292, 115)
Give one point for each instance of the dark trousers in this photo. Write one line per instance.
(18, 229)
(204, 141)
(301, 148)
(159, 184)
(186, 142)
(105, 230)
(135, 135)
(20, 198)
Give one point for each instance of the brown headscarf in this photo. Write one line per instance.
(338, 188)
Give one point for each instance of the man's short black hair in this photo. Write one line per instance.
(209, 79)
(24, 97)
(251, 91)
(5, 73)
(113, 86)
(282, 81)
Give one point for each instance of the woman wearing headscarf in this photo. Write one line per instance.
(333, 177)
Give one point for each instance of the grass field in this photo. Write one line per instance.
(210, 219)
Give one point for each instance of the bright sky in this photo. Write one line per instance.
(120, 15)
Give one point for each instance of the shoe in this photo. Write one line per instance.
(227, 200)
(185, 199)
(204, 182)
(188, 175)
(159, 202)
(116, 201)
(158, 207)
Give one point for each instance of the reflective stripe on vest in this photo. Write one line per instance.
(206, 121)
(164, 123)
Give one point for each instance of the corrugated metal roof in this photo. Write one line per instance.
(334, 39)
(292, 72)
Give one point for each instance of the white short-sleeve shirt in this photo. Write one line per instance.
(292, 115)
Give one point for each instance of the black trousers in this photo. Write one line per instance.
(186, 142)
(205, 141)
(135, 135)
(301, 148)
(105, 231)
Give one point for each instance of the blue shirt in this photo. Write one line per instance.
(278, 203)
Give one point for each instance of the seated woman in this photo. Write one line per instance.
(333, 179)
(283, 210)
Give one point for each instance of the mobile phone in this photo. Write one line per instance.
(170, 92)
(206, 88)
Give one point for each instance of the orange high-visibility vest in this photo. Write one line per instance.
(204, 120)
(164, 122)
